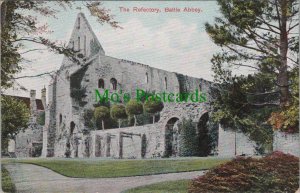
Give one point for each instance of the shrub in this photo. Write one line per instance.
(88, 118)
(118, 112)
(133, 108)
(189, 142)
(101, 114)
(277, 172)
(153, 107)
(41, 118)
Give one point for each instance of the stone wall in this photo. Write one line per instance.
(230, 141)
(287, 143)
(127, 142)
(28, 140)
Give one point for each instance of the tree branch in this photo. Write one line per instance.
(37, 75)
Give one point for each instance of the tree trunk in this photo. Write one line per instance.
(153, 118)
(119, 123)
(102, 125)
(283, 79)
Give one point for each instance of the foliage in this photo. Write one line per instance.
(14, 117)
(41, 118)
(100, 115)
(118, 112)
(287, 119)
(88, 118)
(153, 107)
(213, 135)
(254, 35)
(277, 172)
(37, 150)
(133, 108)
(77, 93)
(189, 141)
(7, 183)
(20, 28)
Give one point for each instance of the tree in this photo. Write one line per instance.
(118, 112)
(153, 107)
(100, 115)
(261, 33)
(189, 141)
(14, 117)
(133, 108)
(88, 118)
(20, 27)
(258, 35)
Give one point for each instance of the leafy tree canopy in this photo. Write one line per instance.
(20, 27)
(118, 112)
(14, 117)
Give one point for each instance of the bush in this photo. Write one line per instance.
(153, 107)
(100, 115)
(133, 108)
(118, 112)
(189, 141)
(88, 118)
(277, 172)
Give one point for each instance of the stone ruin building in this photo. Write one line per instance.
(65, 129)
(28, 142)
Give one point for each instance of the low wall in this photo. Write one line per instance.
(230, 141)
(127, 142)
(287, 143)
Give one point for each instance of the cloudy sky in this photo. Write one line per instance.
(171, 41)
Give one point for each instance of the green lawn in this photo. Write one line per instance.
(85, 168)
(179, 186)
(7, 184)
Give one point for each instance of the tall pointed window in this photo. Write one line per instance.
(101, 83)
(113, 83)
(78, 24)
(78, 43)
(146, 78)
(84, 45)
(166, 83)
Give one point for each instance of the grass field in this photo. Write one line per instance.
(179, 186)
(85, 168)
(7, 184)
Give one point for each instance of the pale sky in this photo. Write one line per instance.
(175, 42)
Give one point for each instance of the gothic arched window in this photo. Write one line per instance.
(78, 43)
(166, 83)
(101, 83)
(78, 25)
(60, 118)
(146, 78)
(113, 83)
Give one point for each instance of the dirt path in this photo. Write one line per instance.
(36, 179)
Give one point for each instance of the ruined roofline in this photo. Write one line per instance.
(145, 65)
(91, 30)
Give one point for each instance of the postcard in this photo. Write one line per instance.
(150, 96)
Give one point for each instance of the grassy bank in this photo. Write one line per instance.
(179, 186)
(85, 168)
(7, 183)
